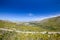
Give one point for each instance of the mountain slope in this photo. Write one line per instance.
(50, 24)
(20, 26)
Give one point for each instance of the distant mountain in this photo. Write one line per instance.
(50, 24)
(18, 26)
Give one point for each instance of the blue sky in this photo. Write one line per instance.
(28, 10)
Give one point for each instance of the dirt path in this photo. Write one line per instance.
(18, 31)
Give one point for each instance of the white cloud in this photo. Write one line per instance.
(44, 17)
(30, 14)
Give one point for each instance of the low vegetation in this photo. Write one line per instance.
(5, 35)
(49, 25)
